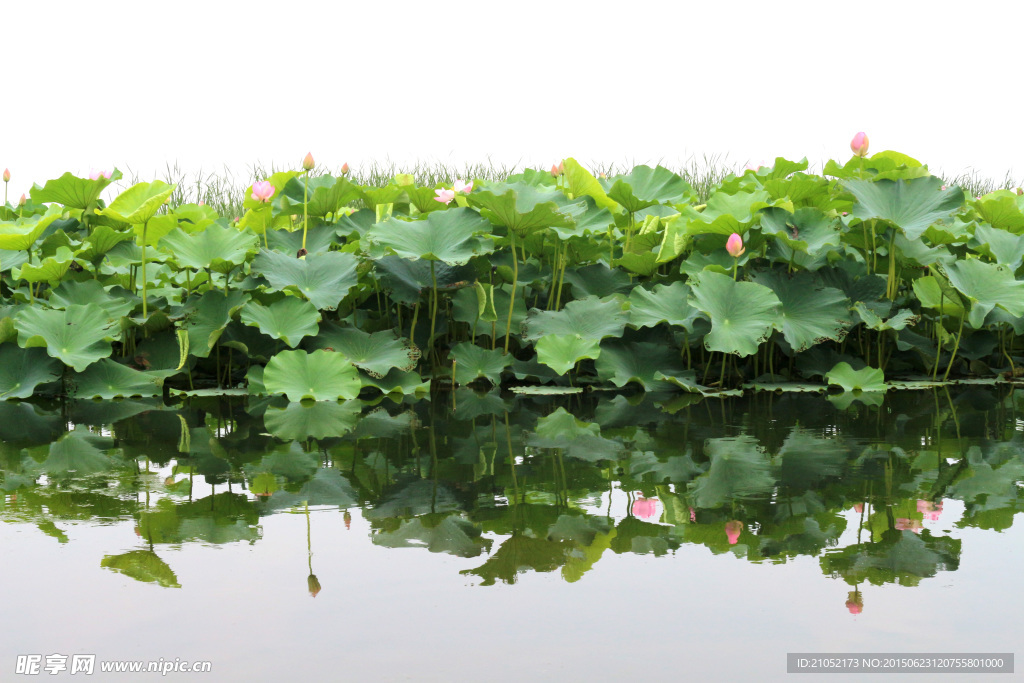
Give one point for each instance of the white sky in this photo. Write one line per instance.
(206, 84)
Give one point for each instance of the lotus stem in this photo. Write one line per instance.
(1006, 351)
(892, 285)
(433, 308)
(305, 207)
(515, 282)
(735, 265)
(412, 328)
(956, 346)
(145, 311)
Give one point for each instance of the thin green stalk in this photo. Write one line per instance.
(145, 311)
(956, 346)
(433, 307)
(515, 282)
(305, 207)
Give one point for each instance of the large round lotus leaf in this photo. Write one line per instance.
(939, 295)
(582, 183)
(1001, 246)
(1003, 210)
(623, 362)
(912, 205)
(206, 317)
(320, 420)
(12, 259)
(71, 191)
(986, 285)
(109, 379)
(661, 304)
(742, 314)
(79, 335)
(865, 379)
(51, 269)
(808, 230)
(473, 362)
(407, 280)
(451, 535)
(598, 280)
(140, 202)
(71, 292)
(580, 439)
(321, 376)
(142, 565)
(590, 318)
(561, 352)
(398, 382)
(375, 353)
(645, 186)
(22, 370)
(520, 207)
(22, 233)
(452, 236)
(466, 307)
(218, 248)
(740, 469)
(324, 279)
(810, 313)
(326, 195)
(318, 239)
(289, 319)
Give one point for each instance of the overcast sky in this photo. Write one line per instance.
(208, 84)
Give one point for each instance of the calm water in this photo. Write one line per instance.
(514, 538)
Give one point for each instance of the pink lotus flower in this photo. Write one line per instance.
(307, 161)
(859, 144)
(201, 203)
(23, 201)
(693, 515)
(733, 529)
(943, 188)
(7, 175)
(344, 168)
(854, 602)
(735, 246)
(444, 195)
(930, 510)
(906, 524)
(858, 507)
(645, 508)
(96, 175)
(262, 191)
(458, 187)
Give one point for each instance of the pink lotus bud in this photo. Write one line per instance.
(645, 508)
(457, 186)
(201, 203)
(445, 196)
(262, 191)
(307, 161)
(554, 171)
(96, 175)
(858, 507)
(854, 602)
(859, 144)
(1020, 190)
(693, 515)
(347, 517)
(943, 188)
(561, 167)
(733, 529)
(22, 201)
(7, 175)
(344, 168)
(735, 246)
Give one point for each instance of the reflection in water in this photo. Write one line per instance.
(534, 484)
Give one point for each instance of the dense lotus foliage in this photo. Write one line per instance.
(869, 274)
(521, 484)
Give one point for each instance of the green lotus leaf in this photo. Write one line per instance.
(808, 230)
(865, 379)
(582, 183)
(938, 295)
(70, 293)
(319, 239)
(800, 189)
(589, 318)
(22, 233)
(466, 306)
(140, 202)
(51, 269)
(379, 196)
(623, 362)
(580, 439)
(742, 314)
(407, 280)
(100, 240)
(323, 279)
(326, 194)
(396, 381)
(109, 379)
(142, 565)
(810, 313)
(78, 336)
(986, 285)
(424, 198)
(545, 390)
(217, 248)
(320, 376)
(561, 352)
(521, 208)
(740, 207)
(687, 381)
(473, 362)
(661, 304)
(195, 217)
(1002, 209)
(739, 469)
(154, 230)
(598, 280)
(289, 319)
(645, 186)
(911, 205)
(73, 192)
(319, 420)
(376, 354)
(452, 236)
(206, 317)
(451, 535)
(22, 370)
(1005, 248)
(874, 321)
(10, 260)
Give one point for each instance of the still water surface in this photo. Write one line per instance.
(551, 539)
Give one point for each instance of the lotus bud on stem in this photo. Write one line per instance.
(734, 245)
(307, 165)
(7, 179)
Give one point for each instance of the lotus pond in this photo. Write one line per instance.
(565, 539)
